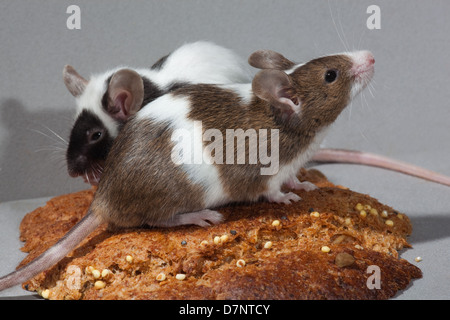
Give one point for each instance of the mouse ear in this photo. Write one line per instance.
(73, 81)
(268, 59)
(125, 94)
(275, 87)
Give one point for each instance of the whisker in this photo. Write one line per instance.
(368, 88)
(343, 33)
(62, 164)
(361, 98)
(361, 38)
(45, 135)
(335, 26)
(57, 135)
(363, 101)
(51, 148)
(371, 85)
(96, 172)
(368, 103)
(350, 109)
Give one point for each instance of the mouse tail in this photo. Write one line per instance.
(370, 159)
(54, 254)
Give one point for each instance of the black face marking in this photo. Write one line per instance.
(160, 63)
(105, 96)
(89, 145)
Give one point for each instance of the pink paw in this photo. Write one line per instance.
(286, 198)
(202, 218)
(295, 184)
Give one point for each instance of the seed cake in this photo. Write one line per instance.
(325, 246)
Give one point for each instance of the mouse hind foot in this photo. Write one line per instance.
(202, 218)
(281, 197)
(295, 184)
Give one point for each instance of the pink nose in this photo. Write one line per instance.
(365, 57)
(363, 64)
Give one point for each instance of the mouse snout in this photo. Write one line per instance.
(362, 70)
(363, 64)
(367, 57)
(77, 165)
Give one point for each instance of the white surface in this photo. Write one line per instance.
(11, 214)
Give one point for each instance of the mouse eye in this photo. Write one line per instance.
(331, 75)
(95, 136)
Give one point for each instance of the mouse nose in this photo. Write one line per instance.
(362, 58)
(369, 58)
(363, 64)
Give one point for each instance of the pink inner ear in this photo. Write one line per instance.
(285, 98)
(295, 107)
(122, 102)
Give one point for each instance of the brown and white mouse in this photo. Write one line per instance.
(192, 149)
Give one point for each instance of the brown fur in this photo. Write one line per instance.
(322, 102)
(268, 59)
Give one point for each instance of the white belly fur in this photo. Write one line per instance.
(287, 171)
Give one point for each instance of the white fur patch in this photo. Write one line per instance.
(289, 71)
(243, 90)
(200, 62)
(174, 110)
(287, 171)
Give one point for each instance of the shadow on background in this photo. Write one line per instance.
(32, 157)
(429, 228)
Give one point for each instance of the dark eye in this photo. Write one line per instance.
(330, 75)
(95, 136)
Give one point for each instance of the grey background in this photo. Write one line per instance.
(405, 115)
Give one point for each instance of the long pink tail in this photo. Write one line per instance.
(53, 255)
(370, 159)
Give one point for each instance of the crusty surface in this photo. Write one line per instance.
(293, 267)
